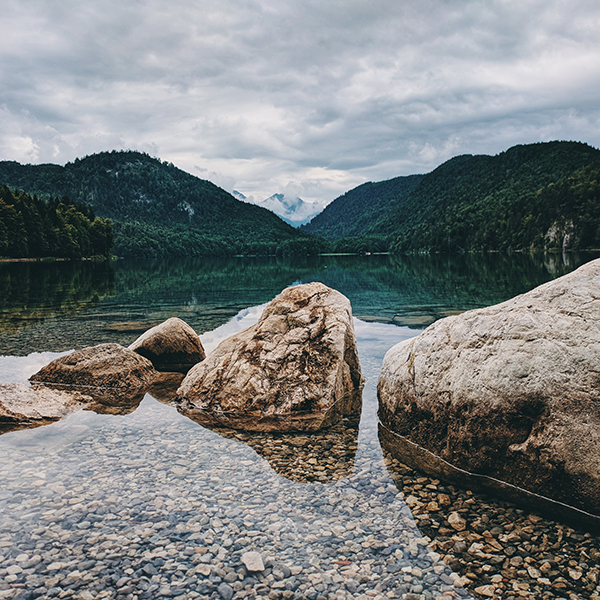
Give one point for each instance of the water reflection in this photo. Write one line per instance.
(60, 306)
(414, 291)
(35, 291)
(320, 457)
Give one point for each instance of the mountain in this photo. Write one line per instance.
(353, 213)
(475, 203)
(294, 211)
(156, 208)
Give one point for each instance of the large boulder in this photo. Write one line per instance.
(296, 369)
(101, 366)
(507, 396)
(170, 346)
(22, 406)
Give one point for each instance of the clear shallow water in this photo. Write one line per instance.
(152, 505)
(103, 497)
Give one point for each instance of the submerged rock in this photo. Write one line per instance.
(170, 346)
(102, 366)
(303, 457)
(296, 369)
(22, 406)
(509, 393)
(253, 561)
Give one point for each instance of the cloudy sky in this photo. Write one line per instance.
(304, 97)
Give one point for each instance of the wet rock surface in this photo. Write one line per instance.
(171, 346)
(22, 406)
(101, 366)
(296, 369)
(509, 391)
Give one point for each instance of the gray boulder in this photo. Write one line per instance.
(101, 366)
(507, 396)
(170, 346)
(296, 369)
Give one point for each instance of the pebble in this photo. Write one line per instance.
(253, 562)
(497, 549)
(169, 509)
(150, 505)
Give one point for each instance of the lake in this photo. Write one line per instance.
(149, 504)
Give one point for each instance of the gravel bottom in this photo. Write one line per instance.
(500, 550)
(151, 505)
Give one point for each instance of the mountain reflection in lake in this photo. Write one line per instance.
(152, 505)
(64, 306)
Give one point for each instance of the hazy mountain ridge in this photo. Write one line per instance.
(352, 213)
(157, 209)
(537, 196)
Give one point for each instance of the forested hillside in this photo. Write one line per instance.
(356, 211)
(530, 197)
(473, 203)
(157, 209)
(30, 227)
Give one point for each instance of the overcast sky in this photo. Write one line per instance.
(304, 97)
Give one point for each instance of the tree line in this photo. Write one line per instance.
(60, 228)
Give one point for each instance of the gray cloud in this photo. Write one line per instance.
(258, 95)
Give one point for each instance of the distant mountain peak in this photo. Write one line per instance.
(292, 209)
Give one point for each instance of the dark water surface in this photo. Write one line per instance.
(152, 505)
(63, 305)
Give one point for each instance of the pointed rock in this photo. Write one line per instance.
(296, 369)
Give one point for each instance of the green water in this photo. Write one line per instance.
(98, 499)
(61, 306)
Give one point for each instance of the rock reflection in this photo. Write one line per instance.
(164, 387)
(320, 457)
(115, 402)
(298, 421)
(24, 407)
(111, 401)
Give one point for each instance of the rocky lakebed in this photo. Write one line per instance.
(285, 462)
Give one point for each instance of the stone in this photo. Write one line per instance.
(486, 590)
(23, 406)
(457, 522)
(506, 397)
(170, 346)
(253, 561)
(297, 369)
(101, 366)
(225, 591)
